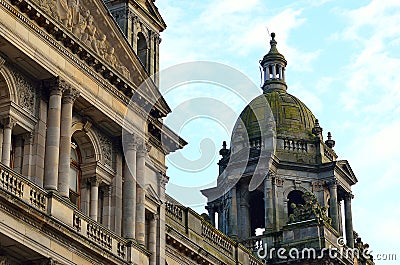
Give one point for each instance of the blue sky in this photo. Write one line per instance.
(343, 63)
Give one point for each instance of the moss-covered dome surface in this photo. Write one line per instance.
(293, 118)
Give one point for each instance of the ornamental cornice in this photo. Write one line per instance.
(78, 53)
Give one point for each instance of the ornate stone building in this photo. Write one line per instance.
(83, 146)
(82, 143)
(281, 177)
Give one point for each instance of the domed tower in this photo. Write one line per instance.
(279, 183)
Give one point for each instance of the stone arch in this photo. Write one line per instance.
(142, 44)
(7, 85)
(88, 142)
(292, 188)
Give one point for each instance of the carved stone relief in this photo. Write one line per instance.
(25, 90)
(80, 20)
(106, 148)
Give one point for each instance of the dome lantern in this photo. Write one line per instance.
(273, 66)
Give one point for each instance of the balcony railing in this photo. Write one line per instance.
(183, 221)
(54, 206)
(23, 188)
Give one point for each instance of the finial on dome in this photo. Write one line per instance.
(317, 130)
(273, 35)
(330, 143)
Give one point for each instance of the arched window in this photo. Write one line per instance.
(296, 197)
(75, 174)
(142, 50)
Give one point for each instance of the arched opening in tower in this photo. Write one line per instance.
(142, 49)
(257, 211)
(296, 197)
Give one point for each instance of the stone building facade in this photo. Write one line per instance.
(281, 177)
(83, 146)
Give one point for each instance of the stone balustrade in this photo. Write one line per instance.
(99, 234)
(53, 206)
(21, 187)
(185, 225)
(217, 238)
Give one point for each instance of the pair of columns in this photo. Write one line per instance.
(8, 124)
(134, 219)
(58, 138)
(267, 72)
(334, 212)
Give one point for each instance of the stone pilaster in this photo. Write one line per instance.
(211, 213)
(65, 141)
(233, 217)
(94, 196)
(116, 199)
(333, 204)
(85, 196)
(17, 166)
(348, 219)
(129, 187)
(52, 153)
(153, 239)
(8, 124)
(107, 190)
(27, 158)
(268, 204)
(244, 213)
(141, 193)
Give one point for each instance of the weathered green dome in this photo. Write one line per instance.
(293, 118)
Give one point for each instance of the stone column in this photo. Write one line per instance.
(348, 220)
(211, 213)
(129, 188)
(94, 196)
(268, 204)
(152, 247)
(53, 135)
(283, 73)
(107, 206)
(333, 204)
(273, 71)
(65, 141)
(27, 160)
(267, 73)
(280, 72)
(6, 155)
(17, 154)
(85, 196)
(233, 215)
(220, 218)
(244, 213)
(1, 141)
(141, 194)
(340, 219)
(117, 194)
(275, 204)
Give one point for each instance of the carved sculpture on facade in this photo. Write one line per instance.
(309, 211)
(25, 90)
(79, 19)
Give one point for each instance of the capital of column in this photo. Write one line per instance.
(143, 148)
(8, 122)
(95, 181)
(348, 196)
(163, 179)
(70, 95)
(56, 86)
(332, 184)
(106, 190)
(28, 137)
(130, 142)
